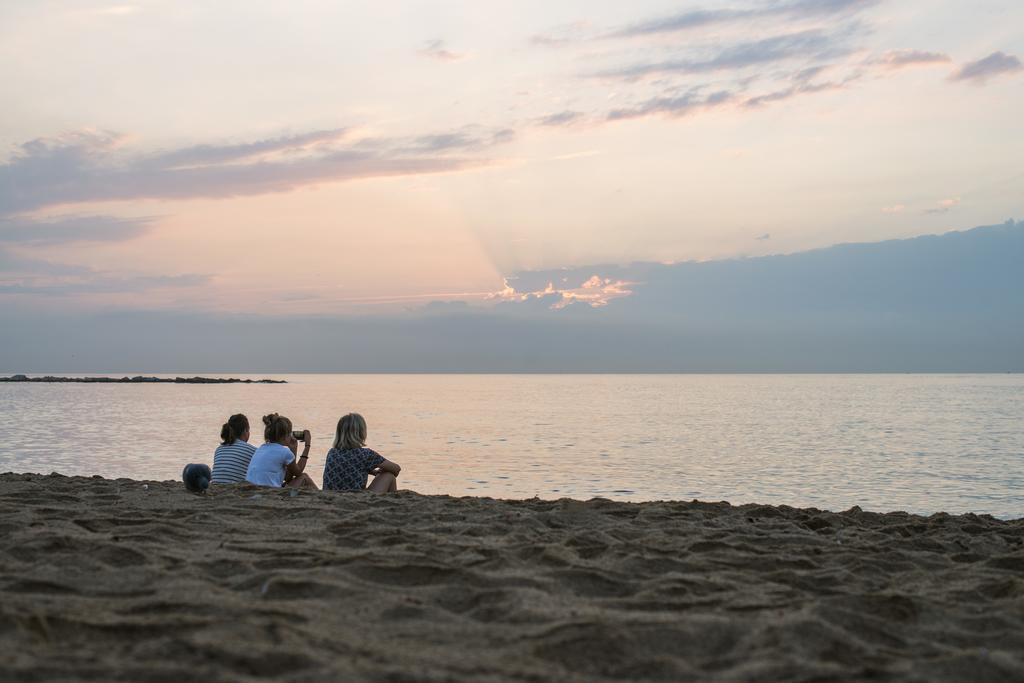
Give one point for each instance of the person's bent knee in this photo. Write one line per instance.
(303, 481)
(383, 482)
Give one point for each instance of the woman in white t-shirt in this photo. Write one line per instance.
(274, 463)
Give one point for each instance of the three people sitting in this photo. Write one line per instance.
(277, 462)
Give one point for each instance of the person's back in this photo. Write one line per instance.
(350, 463)
(277, 463)
(230, 463)
(267, 466)
(349, 469)
(231, 459)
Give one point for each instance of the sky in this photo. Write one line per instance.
(375, 159)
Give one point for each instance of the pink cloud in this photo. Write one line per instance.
(596, 292)
(901, 59)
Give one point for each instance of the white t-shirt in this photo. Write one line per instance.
(267, 465)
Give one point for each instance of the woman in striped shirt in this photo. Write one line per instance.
(231, 459)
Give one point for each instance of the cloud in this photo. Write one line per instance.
(26, 275)
(674, 105)
(89, 166)
(895, 208)
(944, 205)
(595, 292)
(20, 230)
(794, 91)
(562, 118)
(764, 237)
(693, 101)
(13, 265)
(810, 44)
(98, 283)
(678, 104)
(204, 155)
(703, 18)
(697, 18)
(442, 308)
(748, 54)
(435, 49)
(753, 55)
(934, 303)
(900, 59)
(468, 138)
(996, 64)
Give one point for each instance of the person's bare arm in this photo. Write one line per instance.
(388, 466)
(296, 466)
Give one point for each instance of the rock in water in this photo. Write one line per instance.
(196, 478)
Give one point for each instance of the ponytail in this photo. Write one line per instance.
(233, 429)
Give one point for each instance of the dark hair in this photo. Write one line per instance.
(234, 428)
(277, 427)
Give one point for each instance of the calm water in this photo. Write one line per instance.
(921, 443)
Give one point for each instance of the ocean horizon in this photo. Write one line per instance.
(923, 443)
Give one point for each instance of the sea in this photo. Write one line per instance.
(884, 442)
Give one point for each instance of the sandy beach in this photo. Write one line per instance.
(127, 580)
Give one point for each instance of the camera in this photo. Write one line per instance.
(298, 434)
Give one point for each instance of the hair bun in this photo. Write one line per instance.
(267, 419)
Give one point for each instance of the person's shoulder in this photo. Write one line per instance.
(282, 454)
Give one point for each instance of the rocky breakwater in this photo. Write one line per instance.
(139, 379)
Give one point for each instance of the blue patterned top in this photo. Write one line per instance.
(348, 470)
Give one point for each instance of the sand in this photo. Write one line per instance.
(108, 580)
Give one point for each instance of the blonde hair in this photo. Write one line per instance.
(351, 432)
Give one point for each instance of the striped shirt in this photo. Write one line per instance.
(231, 462)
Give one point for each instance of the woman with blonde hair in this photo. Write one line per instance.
(350, 462)
(275, 462)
